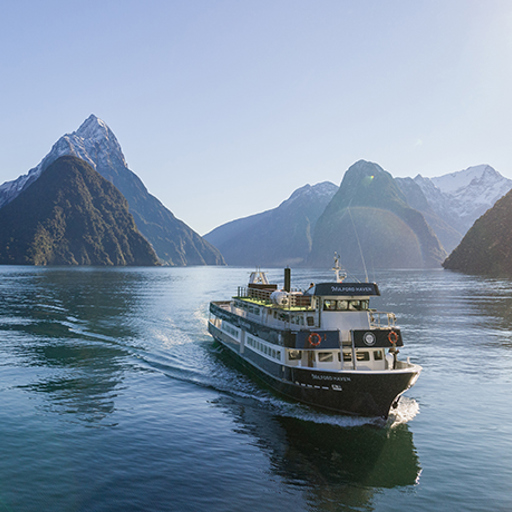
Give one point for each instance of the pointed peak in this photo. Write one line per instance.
(93, 128)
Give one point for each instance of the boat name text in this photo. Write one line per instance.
(330, 377)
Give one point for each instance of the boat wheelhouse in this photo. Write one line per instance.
(324, 346)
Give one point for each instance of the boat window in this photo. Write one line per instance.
(329, 305)
(344, 305)
(377, 355)
(363, 356)
(293, 355)
(227, 328)
(311, 321)
(347, 356)
(325, 357)
(354, 305)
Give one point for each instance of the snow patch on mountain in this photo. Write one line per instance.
(457, 181)
(324, 190)
(93, 137)
(463, 196)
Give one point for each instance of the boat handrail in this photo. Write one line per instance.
(296, 299)
(261, 294)
(381, 319)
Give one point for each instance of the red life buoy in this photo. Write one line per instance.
(312, 336)
(392, 337)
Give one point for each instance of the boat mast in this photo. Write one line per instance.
(338, 270)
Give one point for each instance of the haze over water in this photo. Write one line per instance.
(114, 397)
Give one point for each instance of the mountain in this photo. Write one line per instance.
(277, 237)
(487, 247)
(448, 235)
(369, 217)
(173, 241)
(71, 215)
(457, 199)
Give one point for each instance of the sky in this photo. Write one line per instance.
(224, 107)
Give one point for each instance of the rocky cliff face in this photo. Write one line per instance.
(369, 218)
(487, 247)
(71, 216)
(174, 242)
(278, 237)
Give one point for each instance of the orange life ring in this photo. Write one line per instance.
(392, 337)
(312, 336)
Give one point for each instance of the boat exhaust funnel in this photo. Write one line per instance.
(287, 280)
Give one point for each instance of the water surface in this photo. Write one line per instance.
(114, 397)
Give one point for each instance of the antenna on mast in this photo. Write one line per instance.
(338, 270)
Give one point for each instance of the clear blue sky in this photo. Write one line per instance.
(223, 108)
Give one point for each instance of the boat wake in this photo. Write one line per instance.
(406, 411)
(237, 388)
(196, 360)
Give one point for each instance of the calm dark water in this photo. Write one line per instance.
(114, 397)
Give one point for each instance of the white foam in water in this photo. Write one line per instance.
(229, 382)
(407, 409)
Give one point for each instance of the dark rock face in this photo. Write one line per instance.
(369, 218)
(71, 215)
(487, 247)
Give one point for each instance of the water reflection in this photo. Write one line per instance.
(66, 331)
(339, 468)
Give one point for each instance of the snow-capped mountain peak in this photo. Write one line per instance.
(93, 137)
(456, 181)
(463, 196)
(95, 130)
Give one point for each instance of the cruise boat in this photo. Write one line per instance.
(324, 346)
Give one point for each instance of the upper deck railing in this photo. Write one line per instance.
(381, 319)
(262, 294)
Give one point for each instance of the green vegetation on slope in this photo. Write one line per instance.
(71, 216)
(487, 247)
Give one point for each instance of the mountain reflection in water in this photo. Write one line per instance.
(67, 325)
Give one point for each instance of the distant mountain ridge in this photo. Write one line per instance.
(71, 215)
(281, 236)
(446, 205)
(174, 242)
(415, 196)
